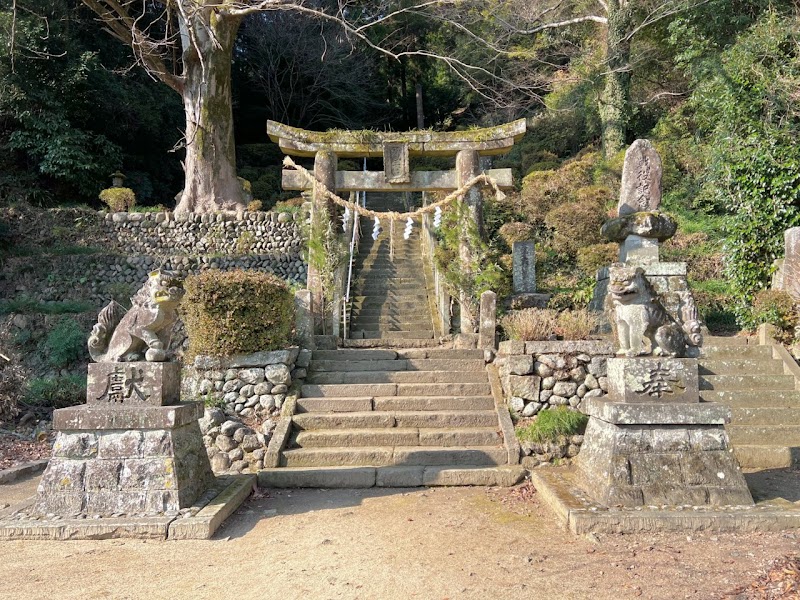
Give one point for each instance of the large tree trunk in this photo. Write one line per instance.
(615, 98)
(211, 182)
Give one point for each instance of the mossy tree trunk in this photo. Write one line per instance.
(211, 182)
(615, 110)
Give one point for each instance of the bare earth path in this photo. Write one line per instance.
(388, 544)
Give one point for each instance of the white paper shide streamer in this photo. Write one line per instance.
(408, 229)
(437, 217)
(376, 229)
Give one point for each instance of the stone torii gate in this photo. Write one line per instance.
(396, 148)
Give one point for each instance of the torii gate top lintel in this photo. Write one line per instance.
(357, 144)
(395, 148)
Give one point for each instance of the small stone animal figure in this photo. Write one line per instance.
(639, 314)
(144, 331)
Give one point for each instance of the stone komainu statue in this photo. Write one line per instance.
(639, 314)
(144, 331)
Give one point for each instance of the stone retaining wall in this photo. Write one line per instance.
(244, 395)
(124, 247)
(537, 375)
(168, 234)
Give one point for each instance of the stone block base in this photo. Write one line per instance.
(528, 300)
(100, 470)
(645, 460)
(657, 380)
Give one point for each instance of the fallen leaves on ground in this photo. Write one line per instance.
(781, 581)
(15, 451)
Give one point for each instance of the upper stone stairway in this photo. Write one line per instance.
(388, 293)
(765, 429)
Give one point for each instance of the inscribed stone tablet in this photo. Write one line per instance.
(641, 179)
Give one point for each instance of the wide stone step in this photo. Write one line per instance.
(738, 366)
(764, 415)
(402, 364)
(389, 295)
(315, 390)
(347, 355)
(717, 352)
(391, 343)
(387, 283)
(395, 403)
(433, 403)
(767, 457)
(378, 321)
(362, 324)
(398, 436)
(753, 398)
(403, 476)
(416, 334)
(764, 435)
(371, 288)
(395, 456)
(746, 382)
(440, 353)
(378, 419)
(412, 305)
(732, 340)
(362, 377)
(373, 315)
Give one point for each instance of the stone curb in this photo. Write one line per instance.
(30, 468)
(506, 426)
(272, 458)
(203, 525)
(580, 517)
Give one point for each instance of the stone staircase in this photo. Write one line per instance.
(765, 429)
(389, 293)
(395, 418)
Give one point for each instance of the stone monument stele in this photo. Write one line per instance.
(133, 448)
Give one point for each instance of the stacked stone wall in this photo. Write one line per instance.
(119, 249)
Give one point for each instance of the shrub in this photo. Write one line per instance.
(118, 199)
(575, 225)
(577, 324)
(552, 423)
(55, 392)
(530, 324)
(255, 205)
(516, 232)
(245, 241)
(596, 256)
(236, 312)
(65, 343)
(27, 305)
(775, 307)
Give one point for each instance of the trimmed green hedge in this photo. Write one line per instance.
(237, 312)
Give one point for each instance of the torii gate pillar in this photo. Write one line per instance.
(325, 162)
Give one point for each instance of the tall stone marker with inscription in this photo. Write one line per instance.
(133, 448)
(787, 271)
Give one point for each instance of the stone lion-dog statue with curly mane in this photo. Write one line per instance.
(639, 314)
(144, 331)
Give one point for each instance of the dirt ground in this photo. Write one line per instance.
(439, 544)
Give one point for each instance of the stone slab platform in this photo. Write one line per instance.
(94, 417)
(668, 413)
(200, 521)
(401, 476)
(557, 489)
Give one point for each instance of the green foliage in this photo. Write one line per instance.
(254, 205)
(236, 312)
(596, 256)
(65, 343)
(245, 241)
(55, 392)
(483, 272)
(775, 307)
(744, 105)
(28, 305)
(575, 225)
(552, 423)
(118, 199)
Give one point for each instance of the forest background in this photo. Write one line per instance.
(714, 84)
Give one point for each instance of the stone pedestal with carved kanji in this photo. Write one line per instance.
(133, 449)
(652, 442)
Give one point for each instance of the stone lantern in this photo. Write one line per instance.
(117, 179)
